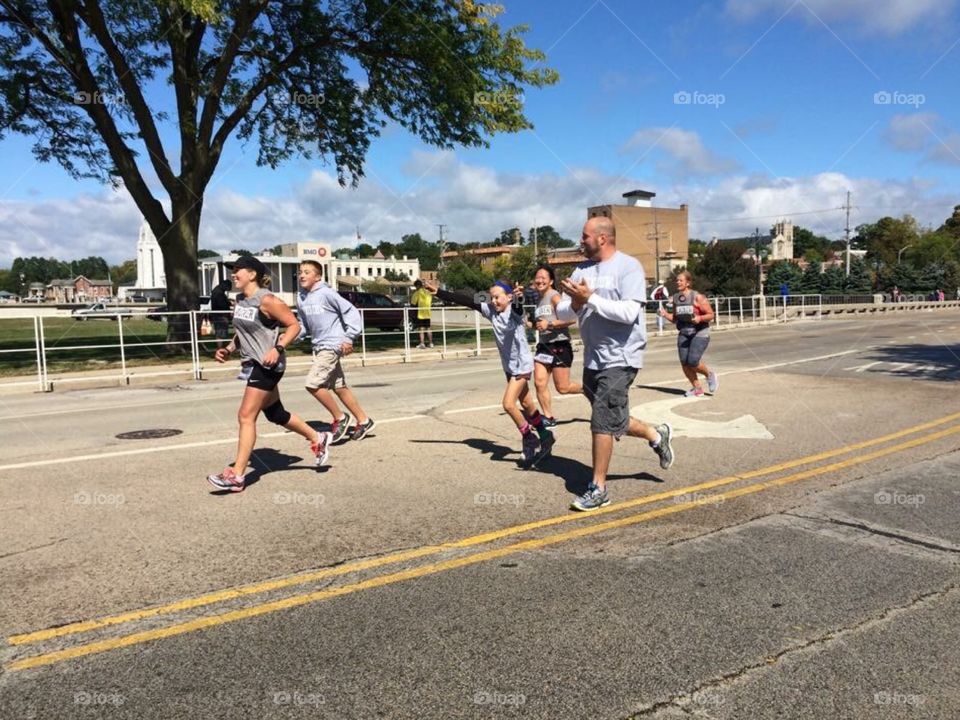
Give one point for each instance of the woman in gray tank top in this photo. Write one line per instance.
(692, 314)
(554, 353)
(257, 318)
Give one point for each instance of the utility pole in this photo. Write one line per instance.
(443, 245)
(756, 250)
(656, 240)
(847, 208)
(534, 240)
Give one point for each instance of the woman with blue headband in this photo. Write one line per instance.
(505, 312)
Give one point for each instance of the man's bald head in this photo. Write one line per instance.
(599, 238)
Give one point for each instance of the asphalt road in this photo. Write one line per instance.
(799, 560)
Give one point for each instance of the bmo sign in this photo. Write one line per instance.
(313, 251)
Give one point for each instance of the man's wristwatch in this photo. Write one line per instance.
(279, 348)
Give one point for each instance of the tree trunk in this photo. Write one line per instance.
(179, 247)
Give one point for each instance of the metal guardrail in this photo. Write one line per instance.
(51, 345)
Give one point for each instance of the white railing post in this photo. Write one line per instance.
(123, 352)
(443, 327)
(43, 355)
(476, 325)
(406, 334)
(741, 310)
(36, 343)
(363, 338)
(194, 345)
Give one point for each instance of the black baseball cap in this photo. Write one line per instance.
(248, 262)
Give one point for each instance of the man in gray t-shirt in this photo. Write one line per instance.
(606, 295)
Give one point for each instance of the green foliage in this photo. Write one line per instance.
(395, 276)
(240, 252)
(364, 250)
(811, 281)
(783, 271)
(125, 272)
(547, 237)
(808, 245)
(460, 275)
(859, 281)
(724, 271)
(831, 282)
(203, 253)
(310, 78)
(38, 269)
(92, 268)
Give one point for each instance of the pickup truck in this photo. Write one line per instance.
(99, 310)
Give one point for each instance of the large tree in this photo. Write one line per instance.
(86, 78)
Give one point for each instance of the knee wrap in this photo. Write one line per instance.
(277, 414)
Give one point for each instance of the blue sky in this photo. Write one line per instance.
(789, 104)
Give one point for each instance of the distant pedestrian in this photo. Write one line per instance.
(692, 314)
(660, 294)
(422, 299)
(220, 312)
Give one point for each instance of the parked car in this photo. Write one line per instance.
(99, 310)
(385, 314)
(160, 313)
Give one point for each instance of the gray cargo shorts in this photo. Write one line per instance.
(608, 391)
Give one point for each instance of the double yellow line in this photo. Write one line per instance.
(472, 559)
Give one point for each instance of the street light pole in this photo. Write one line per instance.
(900, 253)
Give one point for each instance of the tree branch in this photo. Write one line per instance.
(131, 89)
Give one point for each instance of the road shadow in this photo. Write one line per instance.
(264, 461)
(575, 474)
(664, 390)
(496, 451)
(927, 362)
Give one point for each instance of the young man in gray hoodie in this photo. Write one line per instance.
(333, 323)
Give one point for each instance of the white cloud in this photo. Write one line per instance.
(889, 17)
(682, 152)
(475, 203)
(925, 133)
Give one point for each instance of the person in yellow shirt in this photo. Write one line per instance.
(423, 300)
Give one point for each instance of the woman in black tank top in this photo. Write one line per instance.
(554, 353)
(692, 314)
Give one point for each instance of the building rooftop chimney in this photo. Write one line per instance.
(639, 198)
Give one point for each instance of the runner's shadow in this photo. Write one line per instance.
(665, 390)
(263, 461)
(577, 476)
(487, 447)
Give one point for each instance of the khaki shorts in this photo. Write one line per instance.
(326, 371)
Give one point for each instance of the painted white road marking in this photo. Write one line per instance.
(745, 427)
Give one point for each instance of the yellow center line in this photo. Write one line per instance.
(432, 569)
(358, 566)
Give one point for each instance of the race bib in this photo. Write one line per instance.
(543, 358)
(245, 313)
